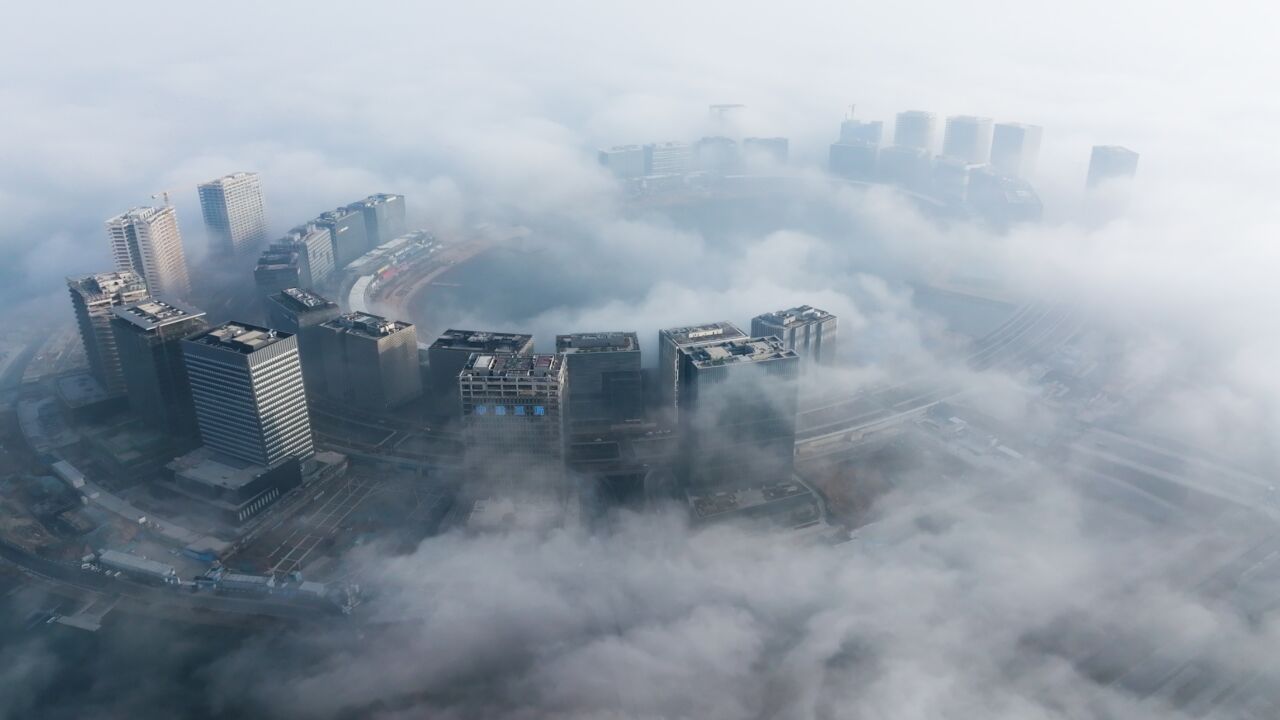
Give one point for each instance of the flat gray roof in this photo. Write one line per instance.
(301, 300)
(367, 325)
(208, 467)
(481, 341)
(238, 337)
(707, 332)
(512, 365)
(622, 341)
(801, 314)
(151, 313)
(735, 352)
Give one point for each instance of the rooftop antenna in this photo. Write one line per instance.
(852, 108)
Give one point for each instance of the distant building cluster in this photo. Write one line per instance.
(984, 166)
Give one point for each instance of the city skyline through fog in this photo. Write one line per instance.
(451, 395)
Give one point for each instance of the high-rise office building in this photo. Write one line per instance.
(1015, 147)
(624, 161)
(234, 213)
(384, 218)
(93, 297)
(1108, 162)
(314, 244)
(862, 131)
(301, 313)
(149, 336)
(246, 382)
(855, 160)
(370, 362)
(668, 158)
(512, 411)
(671, 340)
(450, 352)
(738, 402)
(279, 267)
(773, 150)
(905, 166)
(349, 233)
(968, 138)
(146, 240)
(915, 129)
(807, 330)
(604, 377)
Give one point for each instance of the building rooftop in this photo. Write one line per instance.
(597, 342)
(375, 199)
(482, 341)
(622, 148)
(335, 215)
(100, 286)
(735, 352)
(302, 301)
(150, 314)
(968, 119)
(208, 467)
(801, 314)
(238, 337)
(367, 325)
(511, 365)
(707, 332)
(216, 182)
(140, 213)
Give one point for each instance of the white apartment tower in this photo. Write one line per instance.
(234, 213)
(146, 240)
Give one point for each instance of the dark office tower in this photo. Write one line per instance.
(234, 213)
(301, 313)
(349, 233)
(1111, 161)
(604, 377)
(718, 155)
(246, 382)
(512, 412)
(624, 161)
(738, 412)
(93, 297)
(670, 341)
(370, 362)
(668, 158)
(855, 160)
(314, 246)
(279, 267)
(383, 218)
(861, 131)
(1015, 147)
(773, 150)
(807, 330)
(907, 167)
(148, 336)
(968, 138)
(146, 240)
(450, 352)
(915, 129)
